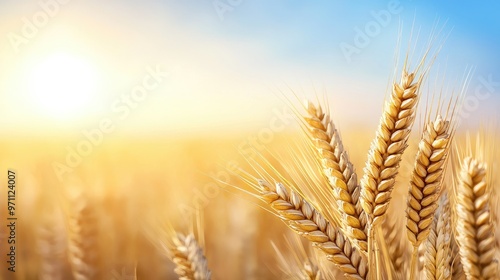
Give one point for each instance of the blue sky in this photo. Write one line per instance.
(227, 68)
(313, 30)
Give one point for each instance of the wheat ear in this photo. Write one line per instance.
(474, 232)
(425, 183)
(387, 148)
(385, 155)
(189, 259)
(51, 248)
(426, 180)
(340, 173)
(82, 236)
(301, 216)
(438, 254)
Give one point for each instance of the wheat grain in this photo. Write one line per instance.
(299, 215)
(340, 173)
(474, 232)
(189, 259)
(438, 254)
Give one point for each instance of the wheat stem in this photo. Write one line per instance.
(413, 264)
(385, 255)
(371, 260)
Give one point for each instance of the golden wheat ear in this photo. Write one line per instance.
(190, 262)
(340, 173)
(83, 239)
(303, 218)
(438, 250)
(426, 179)
(50, 245)
(388, 146)
(474, 229)
(426, 182)
(385, 155)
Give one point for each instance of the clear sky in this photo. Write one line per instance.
(68, 65)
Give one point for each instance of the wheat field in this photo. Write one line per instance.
(252, 140)
(424, 205)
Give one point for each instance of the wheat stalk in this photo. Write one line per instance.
(474, 232)
(189, 259)
(438, 251)
(301, 216)
(340, 173)
(385, 155)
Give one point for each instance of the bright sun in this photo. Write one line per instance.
(63, 86)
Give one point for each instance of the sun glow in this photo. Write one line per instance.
(63, 86)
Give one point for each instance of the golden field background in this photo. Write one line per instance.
(131, 185)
